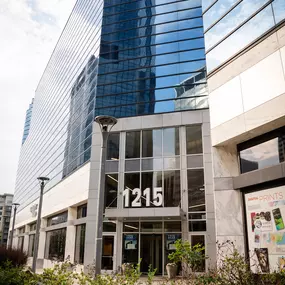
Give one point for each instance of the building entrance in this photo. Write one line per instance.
(151, 252)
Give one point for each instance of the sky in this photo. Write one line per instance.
(29, 30)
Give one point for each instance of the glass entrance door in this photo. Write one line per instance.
(108, 253)
(151, 252)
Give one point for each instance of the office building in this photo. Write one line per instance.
(245, 58)
(5, 215)
(144, 63)
(27, 121)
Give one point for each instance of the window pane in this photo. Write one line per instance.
(197, 239)
(109, 227)
(171, 141)
(197, 226)
(132, 165)
(111, 190)
(172, 189)
(130, 248)
(250, 31)
(55, 244)
(241, 12)
(31, 245)
(194, 139)
(113, 146)
(279, 10)
(131, 227)
(58, 219)
(151, 227)
(172, 226)
(132, 181)
(152, 164)
(132, 144)
(82, 211)
(261, 156)
(80, 244)
(196, 190)
(152, 143)
(150, 180)
(171, 163)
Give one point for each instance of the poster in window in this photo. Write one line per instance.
(130, 242)
(170, 241)
(265, 214)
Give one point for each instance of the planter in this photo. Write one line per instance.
(126, 267)
(171, 269)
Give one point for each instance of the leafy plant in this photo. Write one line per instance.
(150, 274)
(16, 256)
(191, 257)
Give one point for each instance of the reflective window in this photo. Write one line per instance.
(80, 244)
(199, 239)
(254, 28)
(196, 190)
(279, 10)
(20, 243)
(130, 248)
(113, 146)
(171, 141)
(232, 20)
(194, 140)
(132, 144)
(262, 155)
(131, 227)
(111, 190)
(217, 11)
(57, 219)
(151, 227)
(55, 244)
(109, 227)
(151, 143)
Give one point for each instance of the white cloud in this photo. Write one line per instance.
(28, 31)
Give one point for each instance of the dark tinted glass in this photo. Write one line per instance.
(172, 189)
(82, 211)
(109, 227)
(172, 226)
(151, 143)
(197, 226)
(80, 243)
(55, 244)
(111, 190)
(194, 139)
(113, 146)
(196, 190)
(151, 227)
(132, 144)
(130, 248)
(131, 227)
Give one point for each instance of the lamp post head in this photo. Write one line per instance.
(15, 204)
(43, 180)
(106, 121)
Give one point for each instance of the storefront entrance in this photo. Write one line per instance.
(151, 252)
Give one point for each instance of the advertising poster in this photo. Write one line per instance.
(170, 241)
(265, 214)
(130, 242)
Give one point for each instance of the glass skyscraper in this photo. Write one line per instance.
(27, 121)
(119, 58)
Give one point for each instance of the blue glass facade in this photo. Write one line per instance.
(114, 57)
(232, 25)
(27, 121)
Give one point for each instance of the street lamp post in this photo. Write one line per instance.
(43, 181)
(16, 205)
(106, 123)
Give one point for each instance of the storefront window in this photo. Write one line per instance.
(80, 243)
(57, 219)
(55, 244)
(31, 245)
(130, 248)
(265, 214)
(82, 211)
(263, 151)
(194, 140)
(113, 146)
(199, 239)
(111, 190)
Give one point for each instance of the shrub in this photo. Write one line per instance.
(15, 256)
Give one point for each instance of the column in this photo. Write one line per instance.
(70, 234)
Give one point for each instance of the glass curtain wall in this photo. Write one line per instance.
(230, 26)
(152, 58)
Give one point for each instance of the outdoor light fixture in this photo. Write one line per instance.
(43, 181)
(106, 123)
(16, 205)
